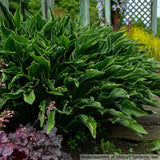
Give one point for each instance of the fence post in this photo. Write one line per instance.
(84, 11)
(107, 6)
(5, 2)
(45, 6)
(154, 16)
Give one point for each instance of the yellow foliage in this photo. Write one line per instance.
(151, 42)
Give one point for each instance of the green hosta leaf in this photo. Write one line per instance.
(17, 77)
(17, 17)
(5, 31)
(130, 109)
(89, 74)
(42, 61)
(9, 45)
(56, 91)
(13, 95)
(29, 96)
(56, 40)
(67, 110)
(89, 122)
(157, 147)
(7, 14)
(3, 101)
(13, 70)
(122, 73)
(68, 80)
(20, 40)
(51, 121)
(111, 70)
(41, 115)
(124, 120)
(119, 93)
(136, 127)
(104, 64)
(86, 102)
(7, 52)
(34, 69)
(105, 85)
(64, 41)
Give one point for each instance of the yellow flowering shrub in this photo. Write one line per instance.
(151, 42)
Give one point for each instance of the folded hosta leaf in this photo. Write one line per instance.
(69, 80)
(8, 15)
(13, 95)
(34, 69)
(106, 85)
(104, 64)
(89, 122)
(119, 93)
(125, 120)
(42, 61)
(5, 31)
(17, 18)
(17, 77)
(41, 114)
(123, 73)
(87, 102)
(51, 121)
(130, 109)
(29, 96)
(9, 45)
(64, 41)
(20, 40)
(52, 90)
(90, 74)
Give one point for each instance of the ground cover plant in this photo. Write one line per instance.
(66, 74)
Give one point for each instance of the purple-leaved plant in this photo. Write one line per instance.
(28, 144)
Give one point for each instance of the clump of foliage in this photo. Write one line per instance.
(27, 143)
(151, 43)
(92, 74)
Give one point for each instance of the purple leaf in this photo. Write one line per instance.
(6, 150)
(3, 137)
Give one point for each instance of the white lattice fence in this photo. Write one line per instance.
(139, 10)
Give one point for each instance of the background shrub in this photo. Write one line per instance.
(151, 43)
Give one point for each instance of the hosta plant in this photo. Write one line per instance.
(27, 143)
(70, 75)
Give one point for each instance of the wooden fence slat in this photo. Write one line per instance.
(84, 11)
(45, 6)
(154, 16)
(107, 6)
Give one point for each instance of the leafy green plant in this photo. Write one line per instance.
(109, 148)
(74, 141)
(155, 145)
(91, 73)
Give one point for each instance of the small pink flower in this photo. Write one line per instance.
(41, 118)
